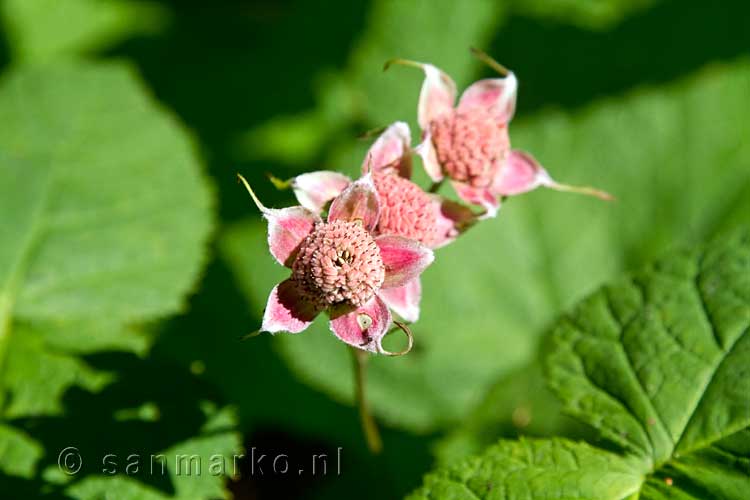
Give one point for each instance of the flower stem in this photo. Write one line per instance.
(369, 427)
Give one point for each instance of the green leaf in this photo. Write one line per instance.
(490, 294)
(44, 29)
(85, 234)
(552, 468)
(104, 220)
(38, 374)
(18, 452)
(658, 362)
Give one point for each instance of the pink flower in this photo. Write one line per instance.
(469, 143)
(339, 265)
(405, 209)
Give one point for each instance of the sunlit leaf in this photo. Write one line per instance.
(104, 218)
(659, 364)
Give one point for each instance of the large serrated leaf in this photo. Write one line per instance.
(676, 181)
(104, 219)
(659, 363)
(104, 210)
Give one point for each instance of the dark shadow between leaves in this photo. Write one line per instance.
(91, 424)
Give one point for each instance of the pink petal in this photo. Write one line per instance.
(452, 219)
(286, 310)
(287, 227)
(484, 197)
(404, 300)
(426, 151)
(313, 190)
(363, 327)
(495, 94)
(523, 173)
(404, 259)
(390, 151)
(436, 97)
(520, 174)
(359, 201)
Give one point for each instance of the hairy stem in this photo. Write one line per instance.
(369, 427)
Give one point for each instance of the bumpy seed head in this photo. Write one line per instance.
(471, 145)
(337, 263)
(405, 209)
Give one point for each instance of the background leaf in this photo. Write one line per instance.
(658, 363)
(105, 217)
(44, 29)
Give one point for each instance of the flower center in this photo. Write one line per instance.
(405, 210)
(339, 262)
(471, 146)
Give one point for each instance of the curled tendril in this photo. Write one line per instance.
(409, 337)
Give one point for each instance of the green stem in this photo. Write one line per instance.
(369, 427)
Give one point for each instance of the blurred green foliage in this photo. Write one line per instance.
(48, 29)
(647, 99)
